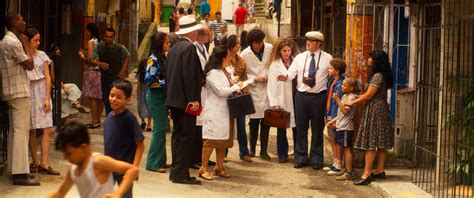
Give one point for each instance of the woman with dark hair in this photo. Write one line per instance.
(235, 72)
(91, 87)
(280, 94)
(243, 40)
(375, 135)
(40, 100)
(156, 96)
(217, 130)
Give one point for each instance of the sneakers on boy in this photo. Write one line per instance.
(345, 176)
(337, 172)
(330, 168)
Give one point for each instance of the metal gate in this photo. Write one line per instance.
(444, 135)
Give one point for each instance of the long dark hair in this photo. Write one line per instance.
(215, 60)
(94, 30)
(381, 64)
(229, 41)
(30, 32)
(243, 40)
(157, 41)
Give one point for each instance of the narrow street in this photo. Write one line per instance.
(257, 179)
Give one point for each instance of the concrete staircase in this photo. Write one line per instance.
(259, 15)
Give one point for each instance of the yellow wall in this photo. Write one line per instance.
(215, 6)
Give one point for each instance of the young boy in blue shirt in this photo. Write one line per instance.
(123, 136)
(337, 67)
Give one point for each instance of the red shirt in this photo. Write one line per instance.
(240, 14)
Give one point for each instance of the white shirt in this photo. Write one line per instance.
(321, 76)
(202, 54)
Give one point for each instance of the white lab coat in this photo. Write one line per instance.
(203, 59)
(280, 93)
(215, 114)
(256, 68)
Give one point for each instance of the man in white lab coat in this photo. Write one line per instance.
(255, 56)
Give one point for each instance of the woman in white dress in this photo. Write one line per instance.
(40, 100)
(280, 93)
(217, 131)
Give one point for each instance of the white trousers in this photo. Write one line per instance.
(18, 135)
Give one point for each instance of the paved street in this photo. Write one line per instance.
(258, 179)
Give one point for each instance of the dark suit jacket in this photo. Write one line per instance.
(184, 75)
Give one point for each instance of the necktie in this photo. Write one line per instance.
(312, 72)
(312, 67)
(203, 52)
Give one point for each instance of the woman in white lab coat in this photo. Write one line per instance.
(217, 131)
(280, 93)
(255, 56)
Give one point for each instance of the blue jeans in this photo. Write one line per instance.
(242, 137)
(118, 179)
(282, 141)
(105, 97)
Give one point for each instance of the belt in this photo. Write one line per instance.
(313, 94)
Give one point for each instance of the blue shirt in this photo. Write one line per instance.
(120, 133)
(333, 108)
(205, 8)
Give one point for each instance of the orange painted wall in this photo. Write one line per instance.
(215, 6)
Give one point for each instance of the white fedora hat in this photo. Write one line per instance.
(187, 24)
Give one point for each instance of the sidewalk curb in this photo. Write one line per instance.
(402, 189)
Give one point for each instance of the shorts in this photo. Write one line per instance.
(344, 138)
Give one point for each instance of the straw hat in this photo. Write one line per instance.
(187, 24)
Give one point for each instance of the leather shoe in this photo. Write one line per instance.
(282, 159)
(24, 180)
(211, 163)
(316, 166)
(379, 176)
(246, 158)
(364, 182)
(186, 181)
(265, 156)
(195, 166)
(300, 165)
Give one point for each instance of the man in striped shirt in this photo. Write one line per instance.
(216, 27)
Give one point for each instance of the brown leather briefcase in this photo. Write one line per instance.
(279, 119)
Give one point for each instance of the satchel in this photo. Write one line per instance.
(278, 119)
(240, 105)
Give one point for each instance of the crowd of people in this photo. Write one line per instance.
(181, 78)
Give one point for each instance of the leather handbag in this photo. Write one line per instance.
(240, 105)
(278, 119)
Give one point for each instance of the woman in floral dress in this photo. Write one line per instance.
(375, 135)
(91, 87)
(40, 100)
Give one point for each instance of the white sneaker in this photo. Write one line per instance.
(345, 176)
(336, 172)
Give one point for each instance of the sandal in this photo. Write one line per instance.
(33, 168)
(47, 171)
(204, 174)
(221, 172)
(93, 126)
